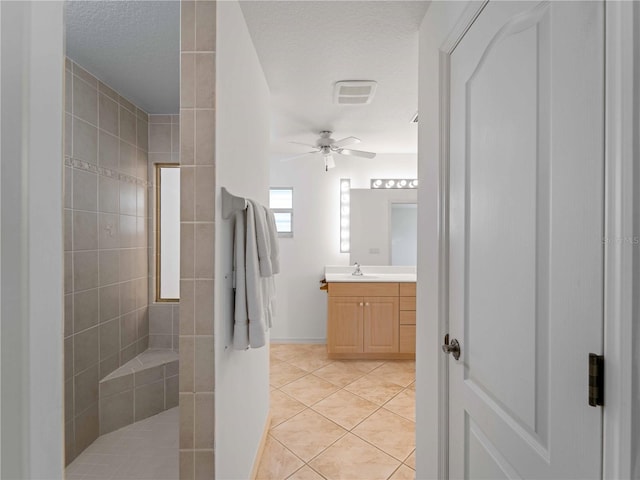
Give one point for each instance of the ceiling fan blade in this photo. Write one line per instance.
(345, 141)
(305, 144)
(288, 159)
(356, 153)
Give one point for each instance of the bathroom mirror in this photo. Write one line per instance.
(383, 226)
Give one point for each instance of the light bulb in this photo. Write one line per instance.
(377, 183)
(390, 183)
(402, 183)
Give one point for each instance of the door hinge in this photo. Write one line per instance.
(596, 380)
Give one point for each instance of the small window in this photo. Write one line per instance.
(167, 233)
(281, 203)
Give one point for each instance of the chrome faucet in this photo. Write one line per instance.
(357, 271)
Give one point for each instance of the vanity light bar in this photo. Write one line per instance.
(345, 211)
(382, 183)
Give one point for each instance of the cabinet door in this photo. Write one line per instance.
(381, 324)
(345, 326)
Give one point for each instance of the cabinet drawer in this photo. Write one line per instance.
(407, 339)
(362, 289)
(408, 289)
(407, 318)
(408, 303)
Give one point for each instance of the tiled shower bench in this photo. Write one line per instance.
(142, 387)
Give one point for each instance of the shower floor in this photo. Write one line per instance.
(147, 450)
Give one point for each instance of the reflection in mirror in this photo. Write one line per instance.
(404, 233)
(168, 234)
(371, 221)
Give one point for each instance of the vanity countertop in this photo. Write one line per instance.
(370, 273)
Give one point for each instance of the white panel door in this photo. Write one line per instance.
(526, 254)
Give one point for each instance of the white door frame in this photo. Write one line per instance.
(622, 21)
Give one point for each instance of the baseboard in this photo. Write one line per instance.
(263, 442)
(320, 341)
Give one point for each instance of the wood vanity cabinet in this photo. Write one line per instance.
(366, 321)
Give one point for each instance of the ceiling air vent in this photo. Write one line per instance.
(354, 92)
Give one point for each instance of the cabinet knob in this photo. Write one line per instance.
(361, 304)
(367, 304)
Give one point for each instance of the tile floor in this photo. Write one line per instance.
(342, 420)
(145, 450)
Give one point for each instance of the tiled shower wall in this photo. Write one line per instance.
(197, 203)
(164, 148)
(106, 245)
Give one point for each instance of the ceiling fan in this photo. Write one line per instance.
(327, 146)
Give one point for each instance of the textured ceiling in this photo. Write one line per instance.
(307, 46)
(133, 46)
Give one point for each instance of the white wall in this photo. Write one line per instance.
(370, 223)
(301, 308)
(32, 62)
(242, 143)
(438, 21)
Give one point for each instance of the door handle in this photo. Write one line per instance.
(452, 347)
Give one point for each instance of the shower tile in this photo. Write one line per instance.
(127, 299)
(160, 319)
(187, 80)
(108, 151)
(142, 325)
(85, 190)
(171, 392)
(142, 128)
(149, 400)
(205, 18)
(116, 411)
(84, 75)
(68, 187)
(204, 427)
(128, 332)
(127, 229)
(102, 88)
(86, 311)
(127, 258)
(108, 114)
(85, 270)
(109, 364)
(187, 299)
(86, 427)
(204, 307)
(128, 161)
(187, 24)
(85, 350)
(127, 125)
(148, 375)
(205, 193)
(85, 230)
(68, 135)
(109, 339)
(186, 459)
(109, 267)
(205, 137)
(204, 363)
(86, 389)
(85, 141)
(187, 136)
(142, 164)
(187, 194)
(160, 137)
(128, 353)
(68, 229)
(85, 101)
(204, 250)
(108, 231)
(108, 195)
(205, 80)
(204, 465)
(68, 91)
(68, 358)
(187, 406)
(68, 315)
(187, 363)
